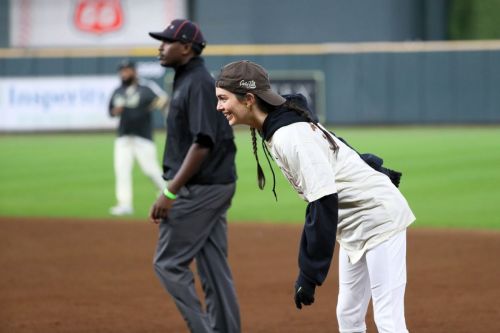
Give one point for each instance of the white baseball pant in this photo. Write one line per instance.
(381, 275)
(128, 148)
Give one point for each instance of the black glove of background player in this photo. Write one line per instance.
(304, 292)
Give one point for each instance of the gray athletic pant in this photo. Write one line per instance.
(196, 228)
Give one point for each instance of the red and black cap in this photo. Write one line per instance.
(183, 31)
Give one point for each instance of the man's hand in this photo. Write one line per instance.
(116, 111)
(189, 167)
(304, 293)
(160, 209)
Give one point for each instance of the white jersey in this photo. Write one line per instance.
(371, 208)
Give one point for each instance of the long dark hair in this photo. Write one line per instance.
(268, 108)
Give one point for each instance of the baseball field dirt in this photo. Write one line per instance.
(96, 276)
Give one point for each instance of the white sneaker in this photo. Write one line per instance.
(121, 210)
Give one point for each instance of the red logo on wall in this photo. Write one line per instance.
(98, 16)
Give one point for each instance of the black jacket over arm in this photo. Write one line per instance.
(320, 228)
(318, 240)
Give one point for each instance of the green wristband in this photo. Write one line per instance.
(169, 194)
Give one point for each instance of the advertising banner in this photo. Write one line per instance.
(56, 103)
(94, 23)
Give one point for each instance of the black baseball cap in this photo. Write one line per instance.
(183, 31)
(248, 77)
(126, 63)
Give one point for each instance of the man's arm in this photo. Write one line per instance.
(197, 153)
(159, 98)
(195, 157)
(116, 104)
(159, 103)
(203, 128)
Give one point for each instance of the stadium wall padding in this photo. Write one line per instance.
(454, 87)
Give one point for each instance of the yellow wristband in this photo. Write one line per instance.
(169, 194)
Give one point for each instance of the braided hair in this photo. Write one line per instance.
(261, 179)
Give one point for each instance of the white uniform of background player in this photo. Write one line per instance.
(133, 102)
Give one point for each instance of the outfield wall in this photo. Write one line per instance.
(357, 83)
(319, 21)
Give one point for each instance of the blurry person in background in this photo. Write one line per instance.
(133, 101)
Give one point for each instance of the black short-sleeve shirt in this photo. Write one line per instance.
(193, 118)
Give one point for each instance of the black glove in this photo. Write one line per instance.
(304, 292)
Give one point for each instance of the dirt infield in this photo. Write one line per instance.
(96, 276)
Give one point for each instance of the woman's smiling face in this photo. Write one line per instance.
(235, 110)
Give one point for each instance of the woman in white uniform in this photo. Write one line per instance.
(348, 200)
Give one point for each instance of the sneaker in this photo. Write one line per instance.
(121, 210)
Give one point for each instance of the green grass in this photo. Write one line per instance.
(451, 176)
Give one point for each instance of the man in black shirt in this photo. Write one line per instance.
(199, 167)
(133, 101)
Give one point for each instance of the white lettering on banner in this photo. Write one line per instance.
(21, 98)
(56, 103)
